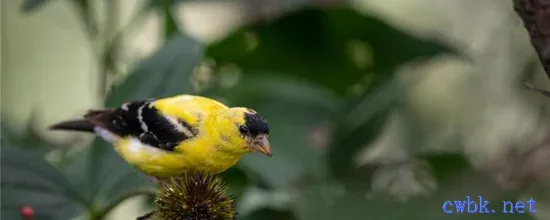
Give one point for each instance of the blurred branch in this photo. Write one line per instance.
(544, 92)
(535, 15)
(116, 37)
(524, 169)
(32, 5)
(87, 16)
(108, 52)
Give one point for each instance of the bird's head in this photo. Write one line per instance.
(244, 128)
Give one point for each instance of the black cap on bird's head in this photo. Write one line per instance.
(255, 124)
(256, 130)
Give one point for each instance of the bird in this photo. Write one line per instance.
(168, 136)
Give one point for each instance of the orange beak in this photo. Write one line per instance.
(261, 144)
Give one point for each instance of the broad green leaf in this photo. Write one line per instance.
(102, 174)
(32, 5)
(236, 179)
(29, 180)
(166, 73)
(361, 123)
(292, 108)
(329, 201)
(444, 166)
(333, 46)
(171, 26)
(29, 138)
(256, 199)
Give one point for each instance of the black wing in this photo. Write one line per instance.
(138, 119)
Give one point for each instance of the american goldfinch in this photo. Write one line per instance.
(168, 136)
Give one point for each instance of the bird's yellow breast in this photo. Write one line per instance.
(197, 156)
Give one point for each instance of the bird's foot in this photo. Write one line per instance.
(153, 179)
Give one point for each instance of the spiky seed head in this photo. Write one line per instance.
(194, 196)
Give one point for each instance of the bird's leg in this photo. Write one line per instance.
(153, 179)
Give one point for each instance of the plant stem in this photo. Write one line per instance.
(108, 50)
(535, 14)
(113, 37)
(87, 17)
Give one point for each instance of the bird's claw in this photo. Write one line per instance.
(153, 179)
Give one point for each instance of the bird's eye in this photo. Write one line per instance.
(243, 129)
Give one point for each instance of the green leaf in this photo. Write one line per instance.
(29, 180)
(166, 73)
(445, 165)
(171, 26)
(102, 174)
(29, 138)
(361, 124)
(337, 48)
(32, 5)
(256, 199)
(329, 201)
(236, 180)
(292, 108)
(333, 46)
(270, 214)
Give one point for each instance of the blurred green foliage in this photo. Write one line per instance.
(317, 69)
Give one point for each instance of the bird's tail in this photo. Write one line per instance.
(90, 120)
(74, 125)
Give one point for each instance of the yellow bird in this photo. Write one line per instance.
(168, 136)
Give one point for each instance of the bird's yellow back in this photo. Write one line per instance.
(192, 109)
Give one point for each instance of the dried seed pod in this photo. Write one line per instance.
(194, 196)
